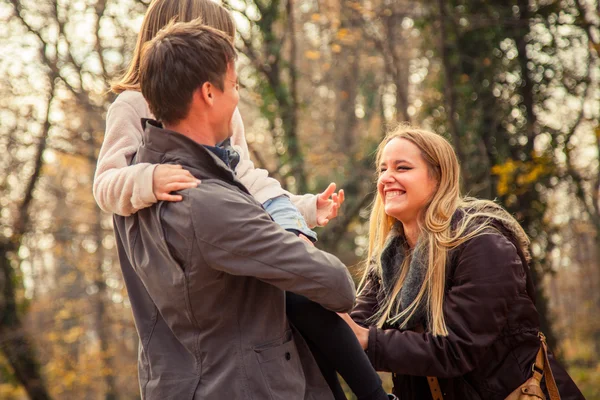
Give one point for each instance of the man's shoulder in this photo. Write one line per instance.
(216, 203)
(217, 194)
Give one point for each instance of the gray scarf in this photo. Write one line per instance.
(391, 259)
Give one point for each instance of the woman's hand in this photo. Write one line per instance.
(169, 178)
(327, 208)
(362, 334)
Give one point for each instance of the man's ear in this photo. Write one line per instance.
(206, 92)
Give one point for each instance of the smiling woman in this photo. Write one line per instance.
(446, 301)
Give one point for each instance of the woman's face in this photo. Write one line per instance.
(404, 183)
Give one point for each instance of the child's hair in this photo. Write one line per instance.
(159, 14)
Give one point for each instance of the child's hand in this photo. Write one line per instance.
(327, 208)
(169, 178)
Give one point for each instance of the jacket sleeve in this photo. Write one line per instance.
(236, 236)
(121, 188)
(366, 301)
(258, 181)
(487, 277)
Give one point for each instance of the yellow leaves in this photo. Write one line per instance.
(505, 174)
(315, 17)
(11, 392)
(342, 33)
(336, 48)
(64, 314)
(515, 176)
(69, 378)
(73, 334)
(532, 176)
(312, 54)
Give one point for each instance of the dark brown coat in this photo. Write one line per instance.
(492, 322)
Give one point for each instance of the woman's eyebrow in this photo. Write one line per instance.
(395, 162)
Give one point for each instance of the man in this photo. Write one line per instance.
(206, 276)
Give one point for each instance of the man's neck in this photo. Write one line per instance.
(191, 129)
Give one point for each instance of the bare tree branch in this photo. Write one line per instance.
(21, 223)
(100, 9)
(83, 100)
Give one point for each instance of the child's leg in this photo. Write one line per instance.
(327, 370)
(330, 339)
(286, 215)
(335, 348)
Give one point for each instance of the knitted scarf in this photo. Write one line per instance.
(392, 257)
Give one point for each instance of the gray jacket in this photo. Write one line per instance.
(206, 279)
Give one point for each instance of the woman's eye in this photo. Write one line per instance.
(403, 168)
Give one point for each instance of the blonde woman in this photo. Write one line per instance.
(447, 292)
(124, 189)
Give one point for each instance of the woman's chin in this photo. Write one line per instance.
(394, 211)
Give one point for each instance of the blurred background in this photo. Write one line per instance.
(512, 84)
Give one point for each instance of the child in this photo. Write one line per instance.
(124, 189)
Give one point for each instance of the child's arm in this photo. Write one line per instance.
(316, 210)
(124, 189)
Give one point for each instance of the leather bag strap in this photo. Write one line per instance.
(434, 387)
(548, 375)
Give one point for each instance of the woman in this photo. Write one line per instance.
(447, 292)
(125, 189)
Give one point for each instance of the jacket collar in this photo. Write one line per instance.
(164, 146)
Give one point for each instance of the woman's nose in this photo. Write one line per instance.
(385, 177)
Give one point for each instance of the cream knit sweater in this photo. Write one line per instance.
(124, 189)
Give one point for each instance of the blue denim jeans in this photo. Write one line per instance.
(286, 215)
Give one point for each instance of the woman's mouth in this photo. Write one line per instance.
(393, 193)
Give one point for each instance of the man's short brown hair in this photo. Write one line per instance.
(179, 60)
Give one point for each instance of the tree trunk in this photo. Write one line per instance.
(450, 94)
(14, 341)
(530, 203)
(289, 111)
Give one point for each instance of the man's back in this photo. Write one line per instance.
(216, 267)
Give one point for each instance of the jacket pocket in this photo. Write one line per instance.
(280, 366)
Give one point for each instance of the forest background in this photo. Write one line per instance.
(512, 84)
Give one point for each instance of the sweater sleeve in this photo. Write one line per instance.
(259, 183)
(118, 187)
(486, 280)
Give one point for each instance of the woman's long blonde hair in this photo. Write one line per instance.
(436, 233)
(159, 14)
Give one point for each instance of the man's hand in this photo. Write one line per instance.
(362, 334)
(327, 208)
(169, 178)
